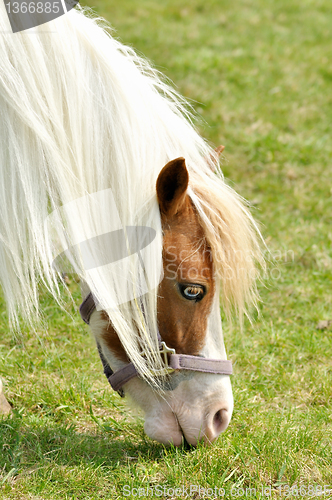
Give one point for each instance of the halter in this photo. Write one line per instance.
(172, 361)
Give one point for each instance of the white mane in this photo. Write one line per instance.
(80, 114)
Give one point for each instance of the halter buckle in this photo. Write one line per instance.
(164, 350)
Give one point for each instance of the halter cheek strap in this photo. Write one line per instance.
(176, 362)
(172, 360)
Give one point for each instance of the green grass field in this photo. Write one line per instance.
(259, 72)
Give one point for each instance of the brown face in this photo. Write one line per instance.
(186, 292)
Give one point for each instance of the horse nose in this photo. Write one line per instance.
(217, 422)
(206, 429)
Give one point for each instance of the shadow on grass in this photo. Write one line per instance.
(35, 444)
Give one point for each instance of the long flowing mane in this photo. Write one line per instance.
(81, 114)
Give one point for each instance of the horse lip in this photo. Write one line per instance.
(185, 445)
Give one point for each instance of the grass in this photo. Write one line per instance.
(259, 73)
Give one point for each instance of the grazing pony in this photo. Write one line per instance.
(103, 173)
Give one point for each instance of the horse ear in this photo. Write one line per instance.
(213, 159)
(172, 184)
(219, 150)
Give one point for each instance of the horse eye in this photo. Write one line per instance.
(192, 292)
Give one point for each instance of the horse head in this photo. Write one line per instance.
(193, 405)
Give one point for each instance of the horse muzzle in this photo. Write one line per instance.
(191, 412)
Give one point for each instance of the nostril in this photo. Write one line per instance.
(217, 421)
(218, 424)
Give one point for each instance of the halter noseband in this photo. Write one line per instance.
(172, 361)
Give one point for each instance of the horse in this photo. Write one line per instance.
(103, 172)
